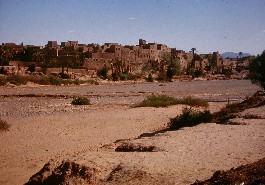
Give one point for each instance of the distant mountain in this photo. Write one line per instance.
(234, 55)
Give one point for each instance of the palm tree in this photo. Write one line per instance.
(193, 50)
(193, 57)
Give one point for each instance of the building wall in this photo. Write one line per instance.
(52, 44)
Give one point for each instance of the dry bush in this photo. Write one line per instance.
(231, 111)
(80, 100)
(4, 126)
(130, 147)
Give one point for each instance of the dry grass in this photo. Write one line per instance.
(196, 102)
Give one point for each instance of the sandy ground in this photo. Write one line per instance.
(45, 128)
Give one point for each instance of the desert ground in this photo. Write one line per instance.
(47, 129)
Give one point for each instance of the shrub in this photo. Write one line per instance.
(115, 76)
(81, 100)
(197, 73)
(257, 70)
(123, 76)
(17, 79)
(55, 80)
(64, 75)
(164, 101)
(134, 77)
(31, 68)
(2, 81)
(4, 126)
(103, 73)
(94, 82)
(190, 118)
(150, 78)
(158, 101)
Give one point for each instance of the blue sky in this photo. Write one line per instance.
(208, 25)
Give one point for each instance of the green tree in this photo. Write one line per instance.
(38, 56)
(103, 73)
(172, 63)
(6, 55)
(31, 68)
(257, 70)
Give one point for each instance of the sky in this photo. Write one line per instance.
(207, 25)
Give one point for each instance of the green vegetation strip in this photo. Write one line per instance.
(41, 80)
(165, 101)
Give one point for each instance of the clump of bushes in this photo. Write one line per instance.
(165, 101)
(124, 76)
(157, 101)
(4, 126)
(80, 100)
(257, 70)
(189, 118)
(16, 79)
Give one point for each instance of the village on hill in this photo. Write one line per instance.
(113, 61)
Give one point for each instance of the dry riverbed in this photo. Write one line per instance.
(46, 127)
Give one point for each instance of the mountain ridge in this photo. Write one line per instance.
(234, 55)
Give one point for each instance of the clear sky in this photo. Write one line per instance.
(208, 25)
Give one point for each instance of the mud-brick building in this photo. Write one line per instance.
(52, 45)
(134, 56)
(182, 56)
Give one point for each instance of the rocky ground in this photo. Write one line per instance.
(85, 144)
